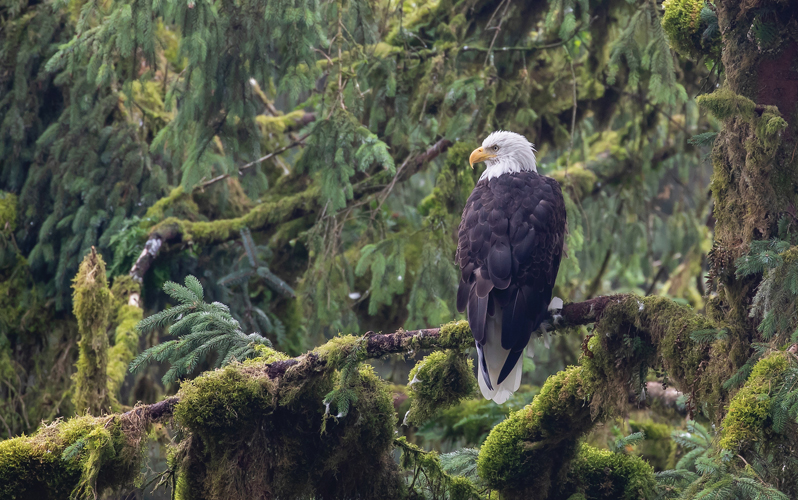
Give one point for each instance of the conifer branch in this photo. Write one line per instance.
(267, 216)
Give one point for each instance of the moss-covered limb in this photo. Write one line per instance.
(437, 382)
(631, 334)
(264, 217)
(526, 453)
(126, 337)
(247, 441)
(92, 307)
(77, 458)
(602, 474)
(749, 417)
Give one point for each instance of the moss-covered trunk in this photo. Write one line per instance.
(754, 157)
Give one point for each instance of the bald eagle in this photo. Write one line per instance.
(510, 243)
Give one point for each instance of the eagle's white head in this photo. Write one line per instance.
(504, 152)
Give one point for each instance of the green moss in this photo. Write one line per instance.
(92, 307)
(644, 331)
(769, 127)
(456, 334)
(421, 15)
(748, 418)
(150, 105)
(790, 255)
(125, 348)
(221, 400)
(681, 21)
(8, 212)
(266, 355)
(542, 437)
(602, 474)
(437, 382)
(724, 103)
(632, 335)
(336, 350)
(247, 441)
(277, 125)
(126, 336)
(261, 216)
(77, 458)
(158, 210)
(124, 286)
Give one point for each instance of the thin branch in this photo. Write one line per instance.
(294, 144)
(498, 29)
(531, 48)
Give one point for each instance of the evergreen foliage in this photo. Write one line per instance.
(704, 473)
(307, 162)
(202, 328)
(775, 300)
(253, 316)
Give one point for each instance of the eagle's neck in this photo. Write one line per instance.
(509, 164)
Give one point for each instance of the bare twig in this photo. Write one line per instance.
(498, 28)
(298, 142)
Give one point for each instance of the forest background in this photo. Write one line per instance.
(304, 163)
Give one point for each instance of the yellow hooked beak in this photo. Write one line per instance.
(479, 155)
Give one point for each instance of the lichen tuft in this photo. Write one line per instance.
(437, 382)
(606, 475)
(748, 418)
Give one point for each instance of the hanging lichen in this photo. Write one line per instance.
(92, 308)
(126, 336)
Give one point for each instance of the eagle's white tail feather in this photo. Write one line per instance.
(494, 358)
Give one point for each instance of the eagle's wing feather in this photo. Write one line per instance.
(510, 244)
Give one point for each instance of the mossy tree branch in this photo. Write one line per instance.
(456, 335)
(631, 334)
(264, 217)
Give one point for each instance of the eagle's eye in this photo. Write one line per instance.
(495, 148)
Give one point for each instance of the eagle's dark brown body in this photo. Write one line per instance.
(510, 245)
